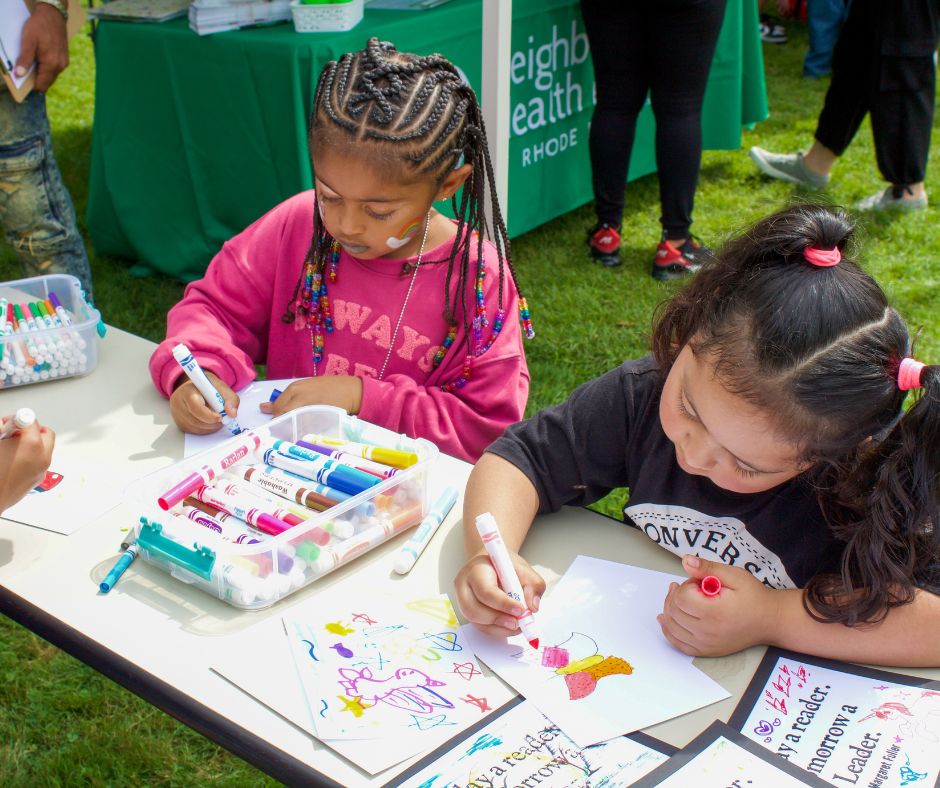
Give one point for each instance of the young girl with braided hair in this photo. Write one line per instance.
(381, 304)
(766, 443)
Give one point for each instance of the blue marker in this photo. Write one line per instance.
(209, 392)
(429, 525)
(275, 393)
(118, 569)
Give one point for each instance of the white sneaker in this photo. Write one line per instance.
(892, 199)
(787, 167)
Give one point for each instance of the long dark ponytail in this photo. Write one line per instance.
(818, 346)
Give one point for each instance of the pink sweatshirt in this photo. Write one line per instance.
(231, 320)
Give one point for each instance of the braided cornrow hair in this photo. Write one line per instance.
(417, 113)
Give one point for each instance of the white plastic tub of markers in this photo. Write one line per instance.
(256, 572)
(326, 17)
(48, 331)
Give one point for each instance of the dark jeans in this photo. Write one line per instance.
(664, 48)
(883, 64)
(36, 211)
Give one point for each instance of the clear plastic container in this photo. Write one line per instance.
(256, 575)
(326, 17)
(57, 330)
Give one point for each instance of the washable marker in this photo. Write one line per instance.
(323, 470)
(394, 457)
(23, 418)
(508, 579)
(118, 569)
(710, 585)
(242, 507)
(275, 393)
(209, 392)
(249, 442)
(352, 460)
(429, 525)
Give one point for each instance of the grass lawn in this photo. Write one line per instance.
(63, 723)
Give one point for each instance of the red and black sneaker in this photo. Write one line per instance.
(674, 262)
(604, 243)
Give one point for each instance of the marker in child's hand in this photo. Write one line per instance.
(23, 418)
(710, 585)
(209, 392)
(275, 393)
(508, 579)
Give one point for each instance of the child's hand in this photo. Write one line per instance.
(342, 391)
(485, 604)
(192, 414)
(24, 459)
(741, 615)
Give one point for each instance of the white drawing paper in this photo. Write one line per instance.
(248, 415)
(603, 667)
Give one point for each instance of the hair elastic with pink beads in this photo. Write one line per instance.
(822, 258)
(909, 374)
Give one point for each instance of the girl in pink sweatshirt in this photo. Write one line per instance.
(381, 304)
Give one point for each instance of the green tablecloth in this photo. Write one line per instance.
(195, 137)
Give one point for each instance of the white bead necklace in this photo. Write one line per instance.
(404, 306)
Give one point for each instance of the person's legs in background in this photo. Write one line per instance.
(903, 102)
(616, 34)
(36, 211)
(825, 19)
(846, 104)
(677, 92)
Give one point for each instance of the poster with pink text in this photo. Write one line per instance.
(849, 725)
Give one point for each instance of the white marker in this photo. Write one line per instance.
(209, 392)
(508, 579)
(429, 525)
(23, 418)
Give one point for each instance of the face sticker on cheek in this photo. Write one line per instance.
(405, 235)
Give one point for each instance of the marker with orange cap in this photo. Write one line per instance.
(508, 579)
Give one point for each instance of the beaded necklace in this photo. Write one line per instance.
(312, 311)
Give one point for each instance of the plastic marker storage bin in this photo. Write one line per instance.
(255, 574)
(47, 330)
(326, 17)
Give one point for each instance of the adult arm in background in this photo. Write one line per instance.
(45, 43)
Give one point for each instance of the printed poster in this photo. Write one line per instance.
(521, 746)
(720, 757)
(849, 725)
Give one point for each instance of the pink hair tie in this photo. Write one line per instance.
(822, 258)
(909, 374)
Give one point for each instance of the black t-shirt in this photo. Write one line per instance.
(607, 434)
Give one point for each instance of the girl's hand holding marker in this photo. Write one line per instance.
(719, 609)
(497, 589)
(202, 404)
(25, 454)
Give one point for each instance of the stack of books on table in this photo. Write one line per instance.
(216, 16)
(140, 10)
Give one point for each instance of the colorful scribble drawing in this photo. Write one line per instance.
(340, 649)
(336, 628)
(445, 641)
(353, 705)
(466, 670)
(408, 689)
(908, 775)
(582, 674)
(481, 703)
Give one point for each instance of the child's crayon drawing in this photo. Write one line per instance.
(387, 669)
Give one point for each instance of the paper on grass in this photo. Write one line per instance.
(603, 668)
(248, 417)
(283, 691)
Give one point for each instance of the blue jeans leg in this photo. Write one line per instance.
(36, 211)
(825, 19)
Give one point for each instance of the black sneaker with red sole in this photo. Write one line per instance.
(675, 262)
(604, 243)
